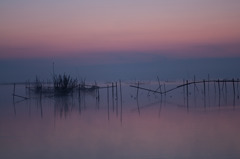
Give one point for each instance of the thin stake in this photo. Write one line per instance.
(226, 90)
(204, 92)
(238, 88)
(121, 101)
(53, 70)
(233, 87)
(137, 90)
(215, 90)
(194, 80)
(14, 108)
(138, 107)
(14, 88)
(79, 93)
(116, 100)
(187, 93)
(108, 100)
(116, 91)
(184, 91)
(41, 104)
(219, 92)
(113, 96)
(233, 92)
(208, 83)
(13, 91)
(159, 84)
(98, 95)
(165, 93)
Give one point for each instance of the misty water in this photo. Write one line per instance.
(202, 124)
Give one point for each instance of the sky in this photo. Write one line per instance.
(170, 27)
(102, 32)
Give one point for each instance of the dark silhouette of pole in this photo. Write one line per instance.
(113, 96)
(108, 101)
(121, 101)
(187, 93)
(204, 92)
(234, 92)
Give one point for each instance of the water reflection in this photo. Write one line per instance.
(186, 123)
(194, 97)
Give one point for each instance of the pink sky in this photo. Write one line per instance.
(172, 28)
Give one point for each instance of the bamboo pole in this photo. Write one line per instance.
(121, 101)
(234, 92)
(20, 96)
(116, 99)
(146, 89)
(165, 93)
(108, 101)
(183, 85)
(204, 92)
(233, 82)
(238, 88)
(194, 80)
(159, 84)
(98, 95)
(219, 93)
(208, 83)
(116, 91)
(137, 90)
(215, 90)
(13, 91)
(113, 96)
(187, 92)
(138, 107)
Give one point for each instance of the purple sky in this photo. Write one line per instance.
(129, 38)
(186, 28)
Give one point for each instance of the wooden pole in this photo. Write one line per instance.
(194, 80)
(138, 107)
(226, 88)
(113, 96)
(187, 93)
(204, 92)
(208, 83)
(13, 91)
(41, 104)
(116, 91)
(146, 89)
(137, 90)
(53, 70)
(121, 101)
(215, 90)
(234, 92)
(79, 100)
(98, 95)
(238, 88)
(219, 92)
(159, 84)
(79, 93)
(116, 99)
(79, 106)
(108, 100)
(14, 108)
(183, 91)
(165, 92)
(20, 96)
(233, 82)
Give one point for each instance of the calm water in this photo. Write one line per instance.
(148, 127)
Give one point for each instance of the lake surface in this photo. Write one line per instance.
(202, 124)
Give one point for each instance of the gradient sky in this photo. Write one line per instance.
(175, 28)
